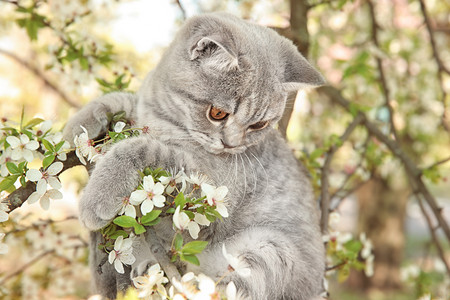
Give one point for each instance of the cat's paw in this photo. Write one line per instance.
(92, 117)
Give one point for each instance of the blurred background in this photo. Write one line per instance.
(387, 63)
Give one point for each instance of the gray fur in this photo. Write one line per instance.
(246, 70)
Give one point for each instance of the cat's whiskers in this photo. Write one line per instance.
(255, 177)
(264, 169)
(245, 177)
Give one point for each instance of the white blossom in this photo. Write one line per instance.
(44, 196)
(47, 176)
(22, 147)
(171, 182)
(181, 221)
(84, 147)
(4, 216)
(127, 209)
(122, 254)
(151, 282)
(237, 264)
(56, 139)
(3, 247)
(151, 195)
(4, 158)
(216, 197)
(119, 127)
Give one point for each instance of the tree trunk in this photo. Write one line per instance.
(382, 211)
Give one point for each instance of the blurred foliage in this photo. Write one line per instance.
(58, 38)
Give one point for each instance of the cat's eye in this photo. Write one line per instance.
(259, 125)
(217, 114)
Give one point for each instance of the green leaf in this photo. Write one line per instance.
(48, 161)
(48, 145)
(8, 182)
(125, 221)
(149, 217)
(190, 214)
(190, 259)
(178, 242)
(84, 63)
(170, 210)
(23, 181)
(180, 200)
(118, 233)
(138, 229)
(316, 153)
(194, 247)
(34, 122)
(12, 168)
(153, 223)
(59, 145)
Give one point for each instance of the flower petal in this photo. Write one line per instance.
(118, 266)
(118, 243)
(32, 145)
(130, 211)
(119, 127)
(148, 183)
(159, 200)
(34, 197)
(45, 201)
(54, 183)
(112, 256)
(41, 187)
(194, 229)
(158, 188)
(146, 206)
(28, 155)
(34, 175)
(55, 194)
(24, 139)
(221, 192)
(127, 258)
(231, 291)
(137, 197)
(55, 168)
(222, 210)
(13, 141)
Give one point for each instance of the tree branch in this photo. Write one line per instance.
(413, 171)
(384, 86)
(441, 66)
(433, 234)
(325, 195)
(33, 69)
(180, 6)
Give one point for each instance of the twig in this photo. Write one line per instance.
(161, 255)
(180, 6)
(66, 98)
(440, 162)
(25, 266)
(433, 234)
(325, 195)
(384, 86)
(413, 171)
(441, 66)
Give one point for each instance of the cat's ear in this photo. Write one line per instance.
(215, 53)
(299, 73)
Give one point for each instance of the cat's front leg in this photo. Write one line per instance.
(93, 117)
(266, 264)
(116, 175)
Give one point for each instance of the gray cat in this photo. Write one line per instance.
(210, 106)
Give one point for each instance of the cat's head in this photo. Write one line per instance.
(224, 81)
